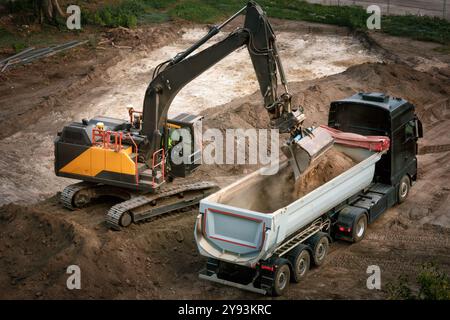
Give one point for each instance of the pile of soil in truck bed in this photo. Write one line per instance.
(326, 168)
(269, 193)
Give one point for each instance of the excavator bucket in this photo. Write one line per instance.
(304, 151)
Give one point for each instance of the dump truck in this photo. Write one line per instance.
(256, 238)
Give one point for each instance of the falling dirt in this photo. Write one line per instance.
(270, 193)
(328, 166)
(160, 259)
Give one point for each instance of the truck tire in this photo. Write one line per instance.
(359, 228)
(301, 261)
(319, 244)
(281, 279)
(403, 188)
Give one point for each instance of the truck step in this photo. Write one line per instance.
(290, 244)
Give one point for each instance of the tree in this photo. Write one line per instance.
(48, 11)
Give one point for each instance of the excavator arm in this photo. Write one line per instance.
(171, 76)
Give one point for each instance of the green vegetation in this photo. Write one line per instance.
(416, 27)
(433, 284)
(124, 14)
(8, 39)
(129, 13)
(197, 11)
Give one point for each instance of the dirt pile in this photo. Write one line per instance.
(327, 167)
(430, 94)
(37, 247)
(272, 192)
(125, 38)
(32, 243)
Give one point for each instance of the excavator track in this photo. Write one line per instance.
(68, 194)
(152, 205)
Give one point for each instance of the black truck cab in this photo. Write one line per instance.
(377, 114)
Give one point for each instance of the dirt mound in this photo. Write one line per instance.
(31, 244)
(160, 259)
(131, 38)
(421, 89)
(146, 260)
(429, 94)
(269, 193)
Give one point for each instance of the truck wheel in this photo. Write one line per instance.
(403, 189)
(281, 280)
(359, 228)
(301, 261)
(320, 245)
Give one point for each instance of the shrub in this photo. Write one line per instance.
(433, 284)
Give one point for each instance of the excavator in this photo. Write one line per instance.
(133, 160)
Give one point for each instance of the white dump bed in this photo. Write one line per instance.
(229, 228)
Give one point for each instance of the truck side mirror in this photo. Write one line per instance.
(419, 128)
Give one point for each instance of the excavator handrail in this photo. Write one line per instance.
(162, 163)
(105, 138)
(136, 151)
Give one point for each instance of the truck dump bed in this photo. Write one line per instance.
(246, 221)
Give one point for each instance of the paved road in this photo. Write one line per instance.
(440, 8)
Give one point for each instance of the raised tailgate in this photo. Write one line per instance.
(233, 231)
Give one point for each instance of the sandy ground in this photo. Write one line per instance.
(160, 259)
(308, 56)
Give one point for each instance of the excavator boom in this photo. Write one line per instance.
(257, 34)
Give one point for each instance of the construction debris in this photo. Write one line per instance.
(31, 54)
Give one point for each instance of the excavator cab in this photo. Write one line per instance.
(184, 144)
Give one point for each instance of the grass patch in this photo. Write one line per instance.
(354, 17)
(124, 14)
(346, 16)
(153, 17)
(10, 40)
(197, 11)
(129, 13)
(419, 28)
(160, 4)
